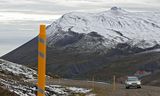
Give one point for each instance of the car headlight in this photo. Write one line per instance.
(128, 83)
(139, 83)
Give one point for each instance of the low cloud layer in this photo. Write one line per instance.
(61, 6)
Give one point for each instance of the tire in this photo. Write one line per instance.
(127, 87)
(139, 87)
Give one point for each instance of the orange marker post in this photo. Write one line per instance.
(42, 61)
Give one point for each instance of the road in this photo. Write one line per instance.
(104, 89)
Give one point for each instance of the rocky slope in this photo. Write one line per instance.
(19, 80)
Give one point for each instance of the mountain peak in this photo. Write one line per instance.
(116, 8)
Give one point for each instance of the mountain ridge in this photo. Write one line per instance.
(117, 25)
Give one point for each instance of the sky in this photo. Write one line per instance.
(20, 19)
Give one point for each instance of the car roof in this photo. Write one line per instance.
(132, 77)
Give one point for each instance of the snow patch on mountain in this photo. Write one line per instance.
(18, 70)
(140, 29)
(51, 90)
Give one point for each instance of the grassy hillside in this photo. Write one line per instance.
(70, 63)
(126, 65)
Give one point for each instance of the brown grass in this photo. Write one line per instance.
(4, 92)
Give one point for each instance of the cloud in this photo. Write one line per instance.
(62, 6)
(5, 16)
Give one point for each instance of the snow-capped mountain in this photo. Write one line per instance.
(80, 45)
(106, 29)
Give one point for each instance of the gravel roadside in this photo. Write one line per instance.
(104, 89)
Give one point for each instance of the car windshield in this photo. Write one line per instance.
(132, 78)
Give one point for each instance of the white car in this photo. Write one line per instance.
(132, 81)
